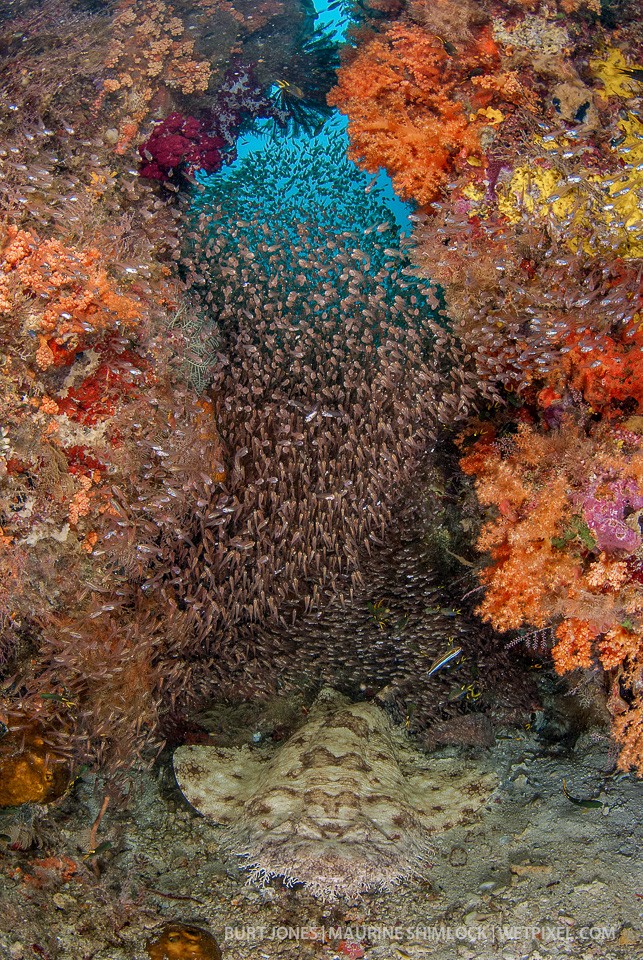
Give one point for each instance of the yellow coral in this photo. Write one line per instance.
(615, 74)
(580, 197)
(544, 190)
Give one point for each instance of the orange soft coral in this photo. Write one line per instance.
(545, 558)
(413, 106)
(548, 568)
(628, 731)
(617, 646)
(574, 647)
(528, 574)
(527, 571)
(606, 368)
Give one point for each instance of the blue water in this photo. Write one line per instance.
(336, 21)
(262, 136)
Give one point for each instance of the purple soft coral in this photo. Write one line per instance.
(240, 98)
(606, 516)
(185, 144)
(180, 143)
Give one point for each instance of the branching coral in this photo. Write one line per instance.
(150, 52)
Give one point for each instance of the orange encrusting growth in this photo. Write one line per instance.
(66, 327)
(72, 287)
(151, 53)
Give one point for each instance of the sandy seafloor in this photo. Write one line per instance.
(537, 876)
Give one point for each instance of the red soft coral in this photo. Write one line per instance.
(180, 142)
(606, 368)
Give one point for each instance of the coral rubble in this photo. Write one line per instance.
(345, 805)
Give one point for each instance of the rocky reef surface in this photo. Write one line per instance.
(538, 875)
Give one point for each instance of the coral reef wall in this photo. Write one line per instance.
(228, 401)
(532, 226)
(91, 378)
